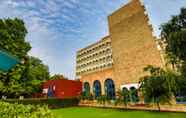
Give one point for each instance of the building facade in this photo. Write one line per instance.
(95, 57)
(62, 88)
(132, 47)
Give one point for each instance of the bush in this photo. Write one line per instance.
(181, 99)
(88, 97)
(51, 102)
(102, 99)
(68, 102)
(134, 95)
(8, 110)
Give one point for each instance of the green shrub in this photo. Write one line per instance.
(68, 102)
(91, 97)
(180, 99)
(102, 99)
(8, 110)
(88, 97)
(51, 102)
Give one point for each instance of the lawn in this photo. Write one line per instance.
(76, 112)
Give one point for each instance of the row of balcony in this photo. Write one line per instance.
(102, 59)
(97, 57)
(96, 54)
(90, 50)
(94, 69)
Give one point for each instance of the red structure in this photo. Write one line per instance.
(62, 88)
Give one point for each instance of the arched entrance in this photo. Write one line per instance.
(97, 88)
(126, 96)
(134, 94)
(86, 89)
(110, 89)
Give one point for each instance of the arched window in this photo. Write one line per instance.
(110, 89)
(126, 95)
(86, 89)
(97, 88)
(125, 90)
(134, 94)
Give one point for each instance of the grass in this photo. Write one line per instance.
(77, 112)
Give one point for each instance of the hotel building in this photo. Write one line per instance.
(94, 58)
(117, 61)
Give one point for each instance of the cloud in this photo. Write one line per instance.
(161, 11)
(58, 28)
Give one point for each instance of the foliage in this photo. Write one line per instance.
(51, 102)
(123, 97)
(181, 99)
(134, 95)
(26, 77)
(181, 87)
(66, 102)
(119, 97)
(24, 111)
(35, 74)
(58, 76)
(12, 33)
(86, 90)
(159, 86)
(87, 97)
(173, 35)
(126, 96)
(102, 99)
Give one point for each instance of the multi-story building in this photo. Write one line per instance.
(117, 61)
(95, 57)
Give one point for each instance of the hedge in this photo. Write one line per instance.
(181, 100)
(51, 102)
(8, 110)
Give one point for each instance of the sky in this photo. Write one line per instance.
(58, 28)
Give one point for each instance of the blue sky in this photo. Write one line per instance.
(58, 28)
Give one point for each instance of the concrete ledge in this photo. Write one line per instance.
(164, 108)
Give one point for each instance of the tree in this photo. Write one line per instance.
(173, 35)
(12, 33)
(26, 77)
(181, 87)
(158, 87)
(34, 75)
(58, 76)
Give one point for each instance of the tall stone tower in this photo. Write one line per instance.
(132, 42)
